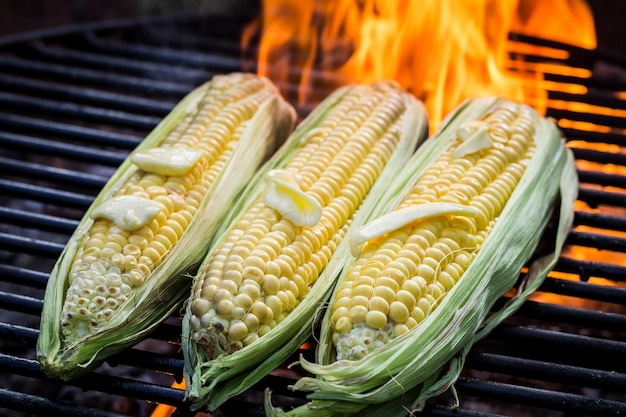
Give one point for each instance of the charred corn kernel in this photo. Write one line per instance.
(144, 215)
(288, 233)
(475, 162)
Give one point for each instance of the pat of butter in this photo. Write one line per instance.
(128, 212)
(166, 161)
(285, 196)
(475, 137)
(399, 218)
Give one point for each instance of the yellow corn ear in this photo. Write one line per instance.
(121, 272)
(261, 284)
(448, 240)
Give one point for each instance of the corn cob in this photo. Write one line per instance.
(258, 290)
(461, 222)
(154, 220)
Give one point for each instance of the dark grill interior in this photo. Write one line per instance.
(74, 103)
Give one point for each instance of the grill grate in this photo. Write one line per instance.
(75, 102)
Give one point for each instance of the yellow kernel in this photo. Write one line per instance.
(224, 307)
(385, 292)
(358, 300)
(437, 290)
(243, 300)
(200, 306)
(252, 322)
(264, 329)
(357, 314)
(343, 325)
(378, 304)
(151, 253)
(271, 284)
(237, 330)
(406, 298)
(250, 289)
(375, 319)
(262, 312)
(398, 312)
(342, 301)
(400, 329)
(340, 312)
(413, 288)
(363, 290)
(426, 271)
(424, 305)
(435, 253)
(446, 280)
(251, 338)
(275, 304)
(452, 269)
(387, 282)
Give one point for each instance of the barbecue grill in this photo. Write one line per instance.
(74, 102)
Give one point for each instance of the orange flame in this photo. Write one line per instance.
(443, 51)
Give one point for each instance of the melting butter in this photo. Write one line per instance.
(128, 212)
(284, 194)
(402, 217)
(475, 137)
(166, 161)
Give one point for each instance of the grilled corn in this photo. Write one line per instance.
(459, 224)
(122, 271)
(259, 289)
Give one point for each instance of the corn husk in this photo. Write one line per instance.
(211, 382)
(162, 293)
(402, 375)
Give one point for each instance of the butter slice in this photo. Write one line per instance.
(128, 212)
(166, 161)
(475, 137)
(285, 196)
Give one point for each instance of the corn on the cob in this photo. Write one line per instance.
(261, 284)
(154, 220)
(461, 222)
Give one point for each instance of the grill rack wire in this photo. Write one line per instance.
(74, 102)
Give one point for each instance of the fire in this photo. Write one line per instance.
(443, 51)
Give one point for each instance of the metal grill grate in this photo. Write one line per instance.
(73, 103)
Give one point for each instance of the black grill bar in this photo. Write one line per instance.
(106, 383)
(68, 131)
(69, 110)
(68, 151)
(23, 276)
(42, 406)
(50, 173)
(21, 303)
(595, 197)
(38, 220)
(600, 220)
(45, 194)
(547, 371)
(70, 93)
(72, 74)
(555, 400)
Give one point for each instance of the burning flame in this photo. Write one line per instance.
(443, 51)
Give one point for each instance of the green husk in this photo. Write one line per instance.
(211, 382)
(426, 361)
(167, 286)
